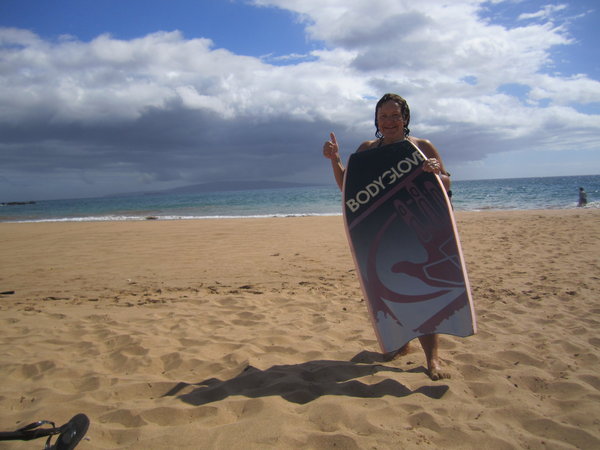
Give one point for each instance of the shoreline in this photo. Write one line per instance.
(141, 218)
(253, 334)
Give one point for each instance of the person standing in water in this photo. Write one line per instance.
(582, 197)
(392, 117)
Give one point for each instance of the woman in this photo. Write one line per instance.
(392, 116)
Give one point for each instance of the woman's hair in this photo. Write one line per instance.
(403, 108)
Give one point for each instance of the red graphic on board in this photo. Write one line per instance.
(440, 272)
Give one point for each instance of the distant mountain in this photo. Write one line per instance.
(16, 203)
(220, 186)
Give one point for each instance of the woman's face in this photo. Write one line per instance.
(389, 120)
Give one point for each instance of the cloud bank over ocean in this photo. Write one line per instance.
(163, 110)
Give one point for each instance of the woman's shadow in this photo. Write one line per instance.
(303, 383)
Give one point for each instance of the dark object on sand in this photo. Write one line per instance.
(69, 434)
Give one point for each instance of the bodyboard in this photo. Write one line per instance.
(405, 245)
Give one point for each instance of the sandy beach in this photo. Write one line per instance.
(252, 334)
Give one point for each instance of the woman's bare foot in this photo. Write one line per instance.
(435, 372)
(402, 351)
(430, 346)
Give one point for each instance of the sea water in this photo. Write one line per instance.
(525, 193)
(480, 195)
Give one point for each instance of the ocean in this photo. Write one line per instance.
(472, 195)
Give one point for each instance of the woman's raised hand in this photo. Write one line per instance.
(330, 148)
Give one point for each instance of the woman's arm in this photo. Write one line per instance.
(331, 151)
(434, 161)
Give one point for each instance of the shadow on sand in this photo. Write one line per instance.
(302, 383)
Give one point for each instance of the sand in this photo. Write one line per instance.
(252, 334)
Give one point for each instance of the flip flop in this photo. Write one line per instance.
(70, 434)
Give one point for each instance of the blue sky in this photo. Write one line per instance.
(234, 25)
(114, 96)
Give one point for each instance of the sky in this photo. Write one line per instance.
(111, 96)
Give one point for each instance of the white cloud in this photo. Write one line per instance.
(545, 13)
(566, 90)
